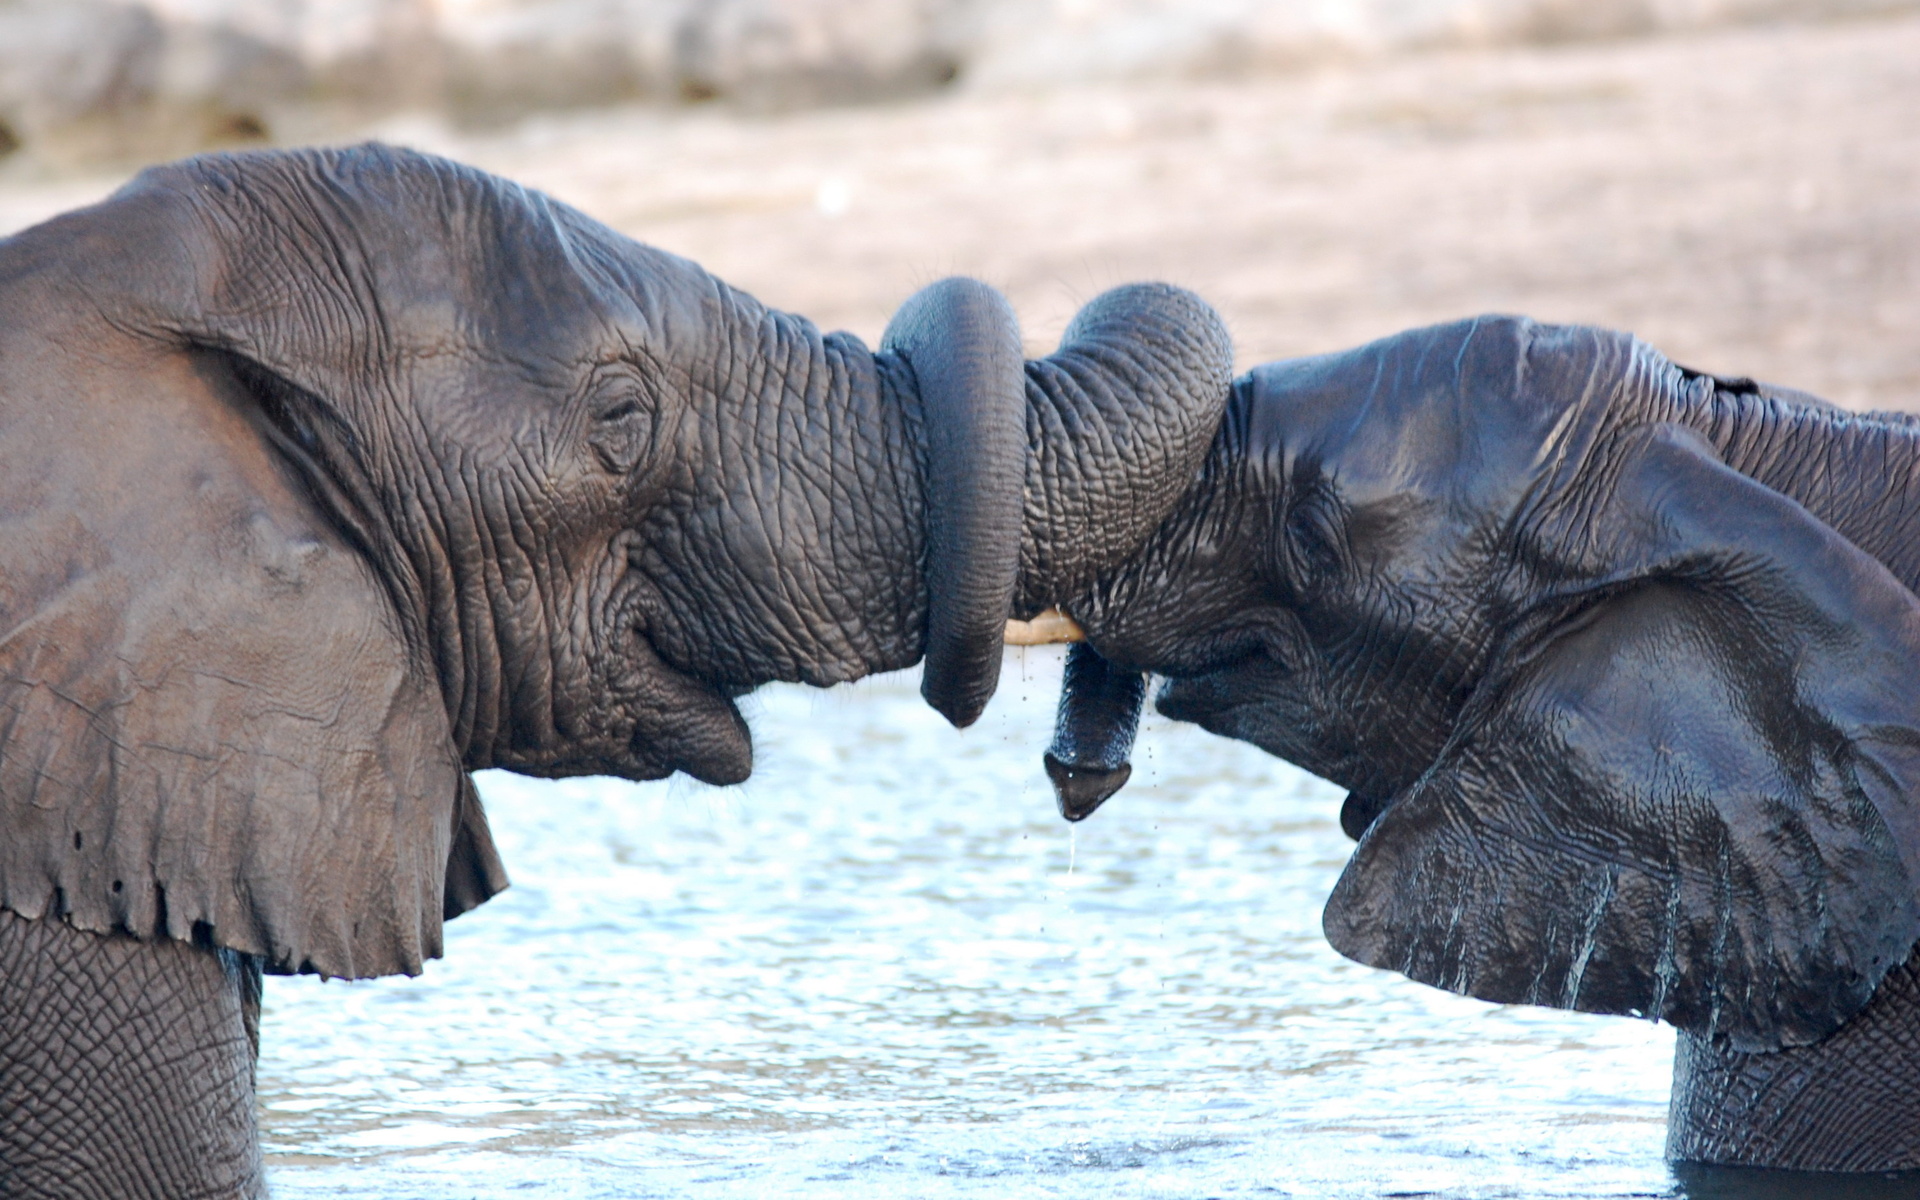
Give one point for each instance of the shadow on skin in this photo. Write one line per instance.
(1699, 1181)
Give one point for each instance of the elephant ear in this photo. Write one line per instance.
(211, 726)
(1693, 800)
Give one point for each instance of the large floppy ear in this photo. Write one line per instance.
(212, 727)
(1692, 798)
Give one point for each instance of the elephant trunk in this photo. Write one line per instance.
(1118, 420)
(911, 501)
(963, 344)
(1038, 481)
(1093, 735)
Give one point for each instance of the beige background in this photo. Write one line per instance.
(1748, 199)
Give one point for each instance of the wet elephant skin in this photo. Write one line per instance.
(1617, 661)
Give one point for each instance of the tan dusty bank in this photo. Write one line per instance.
(1747, 200)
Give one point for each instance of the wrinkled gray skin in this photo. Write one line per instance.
(1618, 663)
(327, 478)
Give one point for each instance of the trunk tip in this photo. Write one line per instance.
(1081, 790)
(958, 694)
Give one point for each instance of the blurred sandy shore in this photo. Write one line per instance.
(1747, 200)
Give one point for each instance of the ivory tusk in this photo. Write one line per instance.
(1048, 629)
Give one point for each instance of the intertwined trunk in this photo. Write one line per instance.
(887, 486)
(1119, 420)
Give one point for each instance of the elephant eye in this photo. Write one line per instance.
(623, 410)
(1312, 540)
(621, 432)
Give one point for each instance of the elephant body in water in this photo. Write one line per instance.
(329, 477)
(1620, 664)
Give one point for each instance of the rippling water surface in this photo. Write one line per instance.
(886, 968)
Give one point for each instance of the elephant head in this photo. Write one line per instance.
(1616, 660)
(332, 476)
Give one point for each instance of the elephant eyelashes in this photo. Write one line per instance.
(620, 435)
(284, 403)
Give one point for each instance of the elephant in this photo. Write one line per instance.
(1619, 665)
(328, 477)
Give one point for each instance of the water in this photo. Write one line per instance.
(886, 968)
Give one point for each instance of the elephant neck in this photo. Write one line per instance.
(1858, 474)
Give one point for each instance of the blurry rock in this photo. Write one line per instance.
(86, 79)
(65, 63)
(507, 56)
(147, 78)
(777, 53)
(1026, 43)
(513, 54)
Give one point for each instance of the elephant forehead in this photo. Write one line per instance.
(533, 287)
(1465, 414)
(434, 254)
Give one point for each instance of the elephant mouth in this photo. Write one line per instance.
(677, 721)
(1360, 810)
(1241, 703)
(616, 705)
